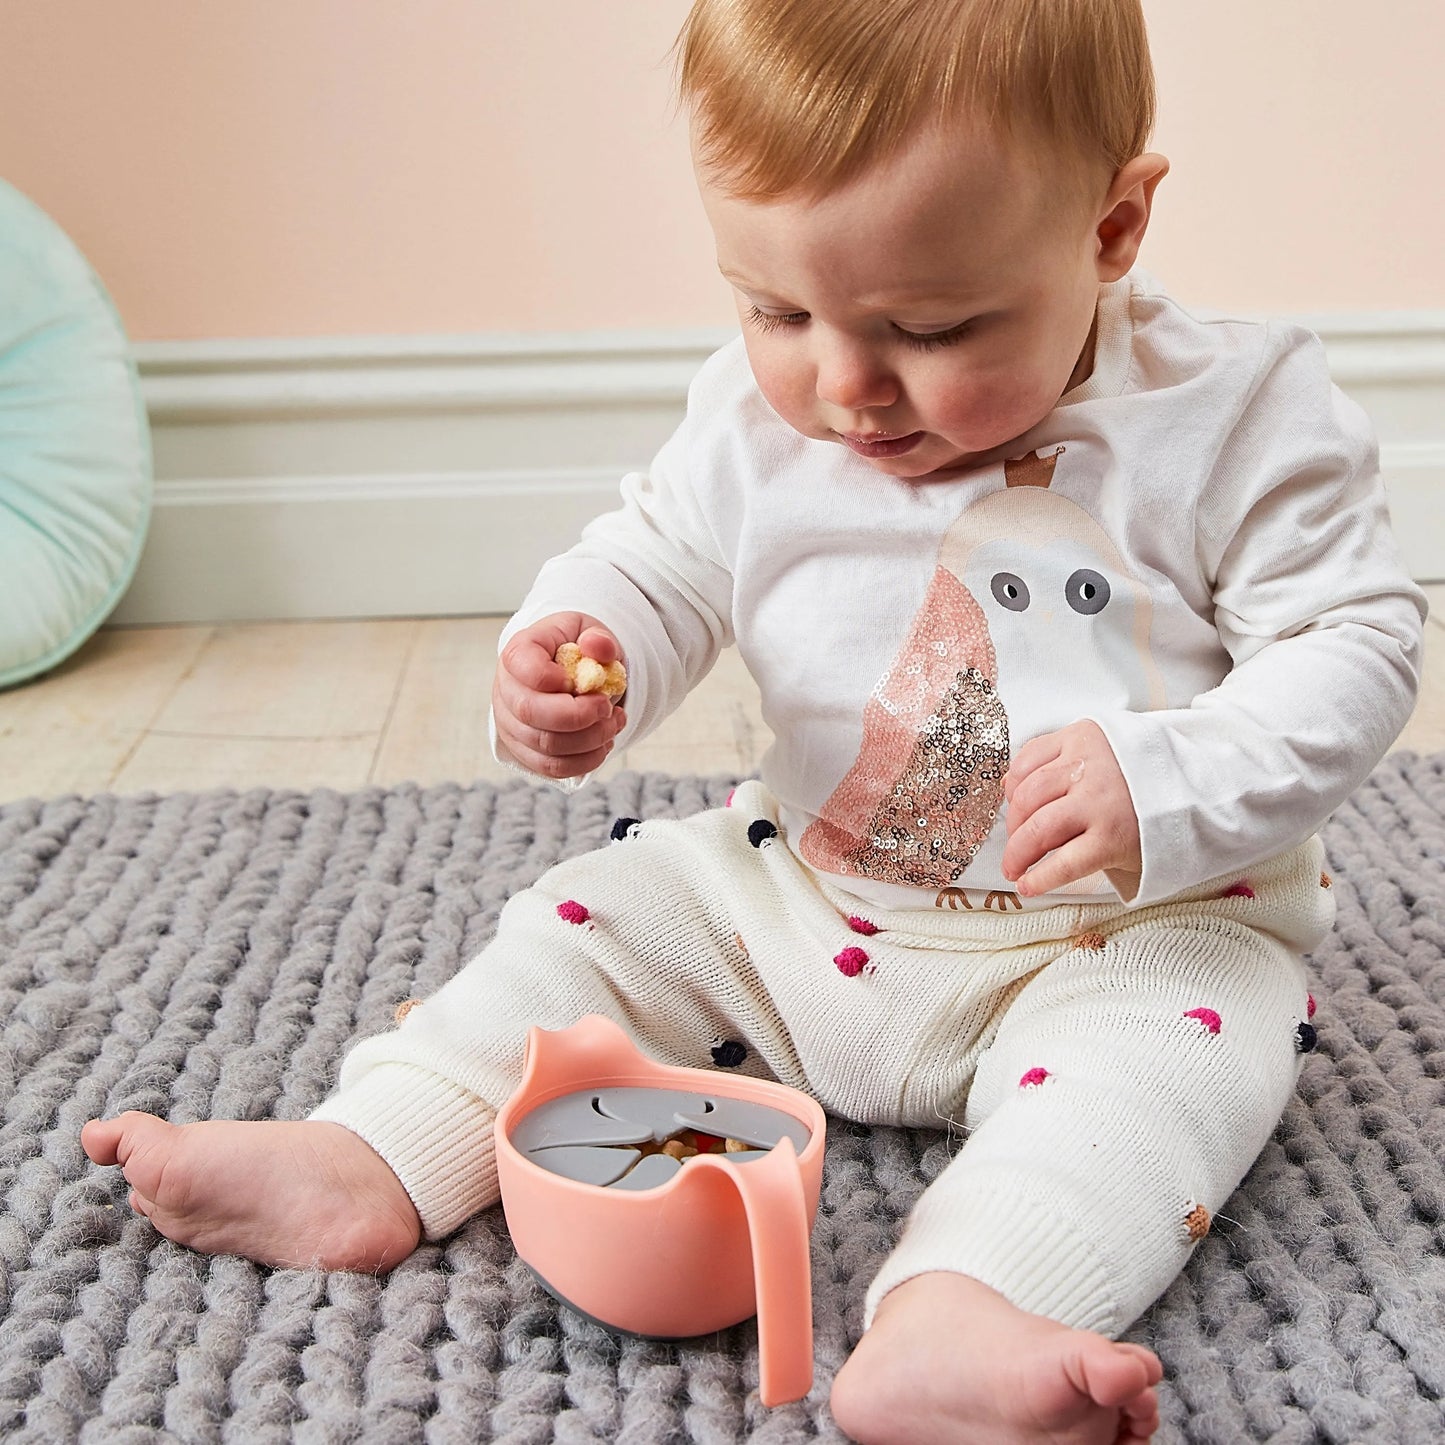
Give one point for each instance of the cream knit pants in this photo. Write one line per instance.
(1115, 1071)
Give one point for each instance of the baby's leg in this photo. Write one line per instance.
(1128, 1090)
(640, 931)
(302, 1194)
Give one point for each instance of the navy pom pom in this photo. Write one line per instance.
(621, 828)
(760, 830)
(728, 1054)
(1305, 1038)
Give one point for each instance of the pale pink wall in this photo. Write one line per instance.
(321, 167)
(1308, 166)
(315, 167)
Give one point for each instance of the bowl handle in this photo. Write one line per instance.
(772, 1195)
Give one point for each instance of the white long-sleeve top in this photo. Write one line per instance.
(1192, 549)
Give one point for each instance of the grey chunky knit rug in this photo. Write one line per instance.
(214, 955)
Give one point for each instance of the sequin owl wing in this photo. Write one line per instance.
(928, 783)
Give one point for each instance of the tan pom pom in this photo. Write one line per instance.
(405, 1007)
(1196, 1223)
(586, 674)
(1093, 941)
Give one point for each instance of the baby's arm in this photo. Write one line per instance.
(1313, 605)
(648, 583)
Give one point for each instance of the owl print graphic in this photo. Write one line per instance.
(1030, 605)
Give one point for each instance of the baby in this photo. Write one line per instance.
(1073, 615)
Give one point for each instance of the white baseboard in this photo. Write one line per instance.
(403, 476)
(371, 546)
(388, 476)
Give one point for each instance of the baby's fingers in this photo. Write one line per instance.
(1044, 785)
(600, 645)
(548, 711)
(561, 753)
(566, 744)
(1041, 832)
(1032, 756)
(559, 765)
(1060, 867)
(530, 660)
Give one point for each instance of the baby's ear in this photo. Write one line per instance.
(1125, 217)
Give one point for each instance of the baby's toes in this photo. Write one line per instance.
(1153, 1370)
(140, 1203)
(1137, 1432)
(100, 1139)
(1140, 1416)
(143, 1146)
(1117, 1376)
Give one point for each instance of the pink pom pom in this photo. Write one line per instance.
(861, 925)
(572, 912)
(1238, 890)
(1309, 1006)
(1206, 1016)
(851, 962)
(1033, 1078)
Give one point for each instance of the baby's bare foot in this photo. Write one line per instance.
(949, 1360)
(300, 1195)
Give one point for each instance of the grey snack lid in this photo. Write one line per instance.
(579, 1135)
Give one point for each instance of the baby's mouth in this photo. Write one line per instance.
(880, 444)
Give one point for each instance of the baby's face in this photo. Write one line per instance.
(931, 311)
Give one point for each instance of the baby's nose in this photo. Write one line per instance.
(855, 382)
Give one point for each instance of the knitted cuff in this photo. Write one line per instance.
(1026, 1253)
(436, 1137)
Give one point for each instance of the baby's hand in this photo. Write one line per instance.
(540, 722)
(1068, 800)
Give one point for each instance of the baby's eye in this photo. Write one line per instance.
(931, 340)
(771, 320)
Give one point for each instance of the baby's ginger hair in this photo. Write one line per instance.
(801, 96)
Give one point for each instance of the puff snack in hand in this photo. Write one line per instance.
(586, 674)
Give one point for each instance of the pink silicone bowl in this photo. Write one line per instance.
(716, 1243)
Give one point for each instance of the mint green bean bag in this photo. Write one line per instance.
(75, 455)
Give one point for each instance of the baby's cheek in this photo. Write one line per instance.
(784, 386)
(976, 413)
(990, 411)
